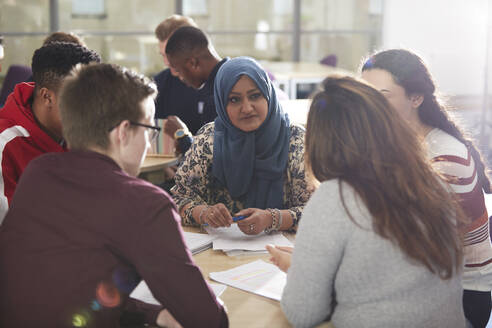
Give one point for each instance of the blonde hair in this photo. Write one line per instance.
(167, 27)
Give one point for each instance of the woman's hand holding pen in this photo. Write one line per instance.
(256, 220)
(281, 256)
(214, 215)
(250, 221)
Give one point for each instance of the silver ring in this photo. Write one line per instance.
(251, 227)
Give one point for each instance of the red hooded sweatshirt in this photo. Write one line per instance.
(21, 140)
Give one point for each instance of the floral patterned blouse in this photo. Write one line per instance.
(196, 184)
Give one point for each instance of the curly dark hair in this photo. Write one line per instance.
(52, 62)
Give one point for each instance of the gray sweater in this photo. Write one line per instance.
(355, 278)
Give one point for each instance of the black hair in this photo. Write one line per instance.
(52, 62)
(185, 40)
(410, 72)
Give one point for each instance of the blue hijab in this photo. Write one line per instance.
(250, 163)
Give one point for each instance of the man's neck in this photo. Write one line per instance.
(209, 65)
(39, 114)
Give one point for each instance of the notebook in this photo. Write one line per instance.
(143, 293)
(198, 242)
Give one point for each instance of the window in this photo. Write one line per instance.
(122, 31)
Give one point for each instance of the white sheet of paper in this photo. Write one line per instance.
(240, 252)
(217, 288)
(197, 242)
(233, 238)
(257, 277)
(143, 293)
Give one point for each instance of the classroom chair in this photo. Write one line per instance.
(330, 60)
(15, 74)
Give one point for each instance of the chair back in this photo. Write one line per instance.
(330, 60)
(15, 74)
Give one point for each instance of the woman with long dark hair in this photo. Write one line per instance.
(375, 247)
(405, 81)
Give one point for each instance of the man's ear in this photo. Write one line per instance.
(417, 100)
(120, 134)
(47, 96)
(193, 63)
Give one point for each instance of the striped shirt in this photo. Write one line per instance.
(453, 159)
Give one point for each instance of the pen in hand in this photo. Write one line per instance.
(234, 219)
(238, 218)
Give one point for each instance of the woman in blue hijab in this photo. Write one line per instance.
(248, 162)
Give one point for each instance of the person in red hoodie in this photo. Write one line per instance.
(1, 52)
(30, 121)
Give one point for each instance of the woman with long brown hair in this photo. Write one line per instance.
(376, 247)
(406, 82)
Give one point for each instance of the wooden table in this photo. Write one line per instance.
(153, 168)
(156, 162)
(290, 74)
(244, 309)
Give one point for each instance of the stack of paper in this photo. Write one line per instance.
(198, 242)
(241, 252)
(234, 242)
(143, 293)
(257, 277)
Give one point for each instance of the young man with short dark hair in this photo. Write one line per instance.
(30, 120)
(192, 56)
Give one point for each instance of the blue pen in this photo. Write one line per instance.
(234, 219)
(238, 218)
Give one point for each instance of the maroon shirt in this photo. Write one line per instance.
(79, 236)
